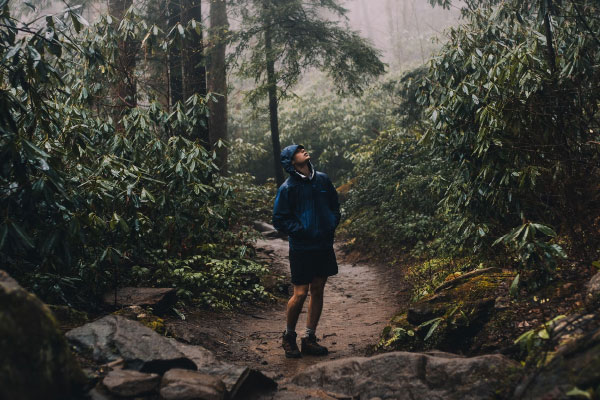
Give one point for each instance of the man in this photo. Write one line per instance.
(307, 209)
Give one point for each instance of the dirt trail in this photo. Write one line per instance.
(359, 301)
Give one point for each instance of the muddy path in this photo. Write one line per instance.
(359, 302)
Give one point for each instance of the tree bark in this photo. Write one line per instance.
(273, 118)
(194, 70)
(174, 56)
(217, 81)
(125, 91)
(550, 53)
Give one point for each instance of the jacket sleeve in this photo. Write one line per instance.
(283, 218)
(334, 202)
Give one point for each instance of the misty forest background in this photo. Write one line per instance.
(138, 138)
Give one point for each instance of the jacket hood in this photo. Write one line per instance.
(286, 161)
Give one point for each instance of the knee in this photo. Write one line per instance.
(317, 290)
(300, 294)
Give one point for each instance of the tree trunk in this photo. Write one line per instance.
(550, 53)
(274, 121)
(217, 80)
(174, 54)
(125, 91)
(194, 70)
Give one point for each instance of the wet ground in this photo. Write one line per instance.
(359, 301)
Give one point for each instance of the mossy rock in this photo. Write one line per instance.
(399, 334)
(450, 318)
(145, 317)
(36, 360)
(575, 367)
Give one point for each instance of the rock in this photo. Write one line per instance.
(127, 382)
(423, 312)
(181, 384)
(414, 375)
(593, 288)
(239, 381)
(268, 230)
(575, 365)
(262, 226)
(274, 234)
(142, 349)
(35, 359)
(451, 318)
(160, 299)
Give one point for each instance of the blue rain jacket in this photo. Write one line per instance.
(306, 208)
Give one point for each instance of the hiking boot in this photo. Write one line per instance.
(311, 347)
(290, 346)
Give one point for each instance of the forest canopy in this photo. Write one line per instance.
(138, 147)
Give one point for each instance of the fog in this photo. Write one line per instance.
(404, 30)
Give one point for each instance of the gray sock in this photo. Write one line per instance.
(309, 332)
(289, 330)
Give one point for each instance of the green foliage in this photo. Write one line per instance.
(205, 280)
(328, 125)
(506, 132)
(538, 340)
(518, 152)
(392, 203)
(394, 195)
(536, 256)
(87, 197)
(424, 277)
(305, 35)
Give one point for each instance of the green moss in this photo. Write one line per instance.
(33, 349)
(458, 313)
(145, 317)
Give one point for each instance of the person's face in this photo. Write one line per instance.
(300, 157)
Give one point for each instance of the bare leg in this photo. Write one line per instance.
(294, 306)
(315, 304)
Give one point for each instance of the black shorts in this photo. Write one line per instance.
(308, 264)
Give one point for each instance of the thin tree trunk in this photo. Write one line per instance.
(550, 53)
(174, 54)
(194, 70)
(217, 80)
(272, 89)
(125, 91)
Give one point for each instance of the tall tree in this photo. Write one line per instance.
(175, 70)
(217, 80)
(194, 68)
(125, 92)
(282, 38)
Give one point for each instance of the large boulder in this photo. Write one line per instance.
(414, 376)
(35, 359)
(450, 318)
(160, 299)
(593, 289)
(239, 381)
(142, 349)
(181, 384)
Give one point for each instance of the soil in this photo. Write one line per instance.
(359, 302)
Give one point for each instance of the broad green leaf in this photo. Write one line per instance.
(432, 329)
(25, 239)
(514, 286)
